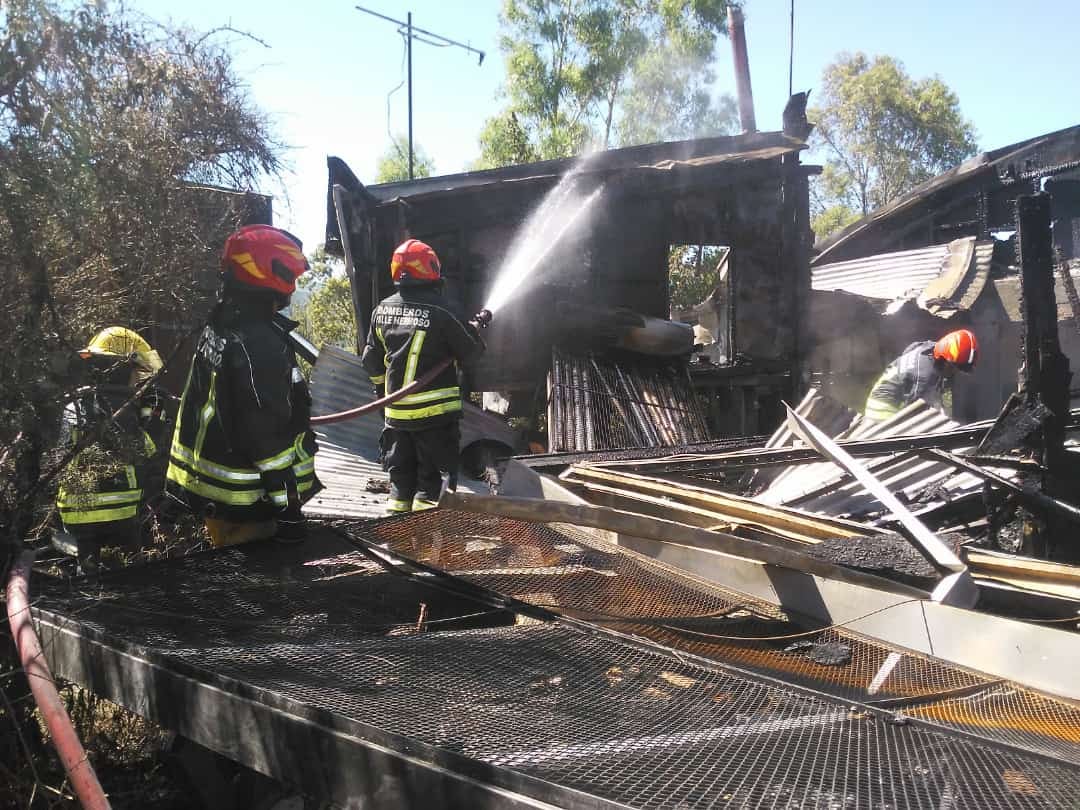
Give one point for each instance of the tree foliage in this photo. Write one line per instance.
(606, 72)
(692, 274)
(393, 164)
(883, 133)
(113, 130)
(326, 314)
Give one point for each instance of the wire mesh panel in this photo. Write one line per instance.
(439, 660)
(565, 569)
(597, 403)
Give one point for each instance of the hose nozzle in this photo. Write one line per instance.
(482, 319)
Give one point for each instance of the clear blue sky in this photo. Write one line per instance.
(328, 68)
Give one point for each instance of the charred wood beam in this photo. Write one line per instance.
(1027, 492)
(1044, 377)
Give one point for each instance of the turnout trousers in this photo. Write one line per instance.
(417, 461)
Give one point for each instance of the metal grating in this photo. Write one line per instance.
(565, 569)
(631, 722)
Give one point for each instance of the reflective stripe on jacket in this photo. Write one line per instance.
(106, 480)
(910, 377)
(411, 332)
(242, 448)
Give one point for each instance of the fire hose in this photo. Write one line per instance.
(64, 738)
(479, 321)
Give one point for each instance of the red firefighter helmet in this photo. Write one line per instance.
(959, 348)
(414, 263)
(264, 258)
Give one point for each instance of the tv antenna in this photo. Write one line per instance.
(411, 32)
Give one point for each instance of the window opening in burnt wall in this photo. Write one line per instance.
(699, 293)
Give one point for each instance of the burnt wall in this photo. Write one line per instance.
(618, 259)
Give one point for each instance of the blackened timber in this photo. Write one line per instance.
(1027, 493)
(1045, 376)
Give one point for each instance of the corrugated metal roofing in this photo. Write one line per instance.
(942, 278)
(887, 276)
(348, 451)
(825, 489)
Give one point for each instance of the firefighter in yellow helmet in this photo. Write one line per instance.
(921, 372)
(105, 489)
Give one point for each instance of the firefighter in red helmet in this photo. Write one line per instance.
(243, 451)
(411, 332)
(921, 372)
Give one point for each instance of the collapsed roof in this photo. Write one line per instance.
(974, 198)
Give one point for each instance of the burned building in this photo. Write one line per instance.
(977, 198)
(944, 256)
(746, 193)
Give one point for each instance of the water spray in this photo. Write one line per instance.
(545, 229)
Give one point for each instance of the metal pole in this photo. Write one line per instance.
(408, 20)
(428, 37)
(791, 53)
(743, 91)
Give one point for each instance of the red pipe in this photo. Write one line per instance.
(72, 754)
(389, 399)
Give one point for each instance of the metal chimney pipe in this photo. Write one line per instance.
(737, 32)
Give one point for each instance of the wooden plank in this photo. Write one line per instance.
(681, 513)
(728, 506)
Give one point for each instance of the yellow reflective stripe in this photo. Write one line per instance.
(205, 415)
(80, 499)
(298, 446)
(420, 504)
(879, 410)
(399, 506)
(219, 471)
(280, 496)
(129, 471)
(149, 447)
(191, 483)
(415, 345)
(378, 379)
(180, 413)
(99, 515)
(304, 467)
(278, 462)
(385, 353)
(430, 396)
(422, 413)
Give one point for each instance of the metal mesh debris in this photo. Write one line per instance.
(672, 720)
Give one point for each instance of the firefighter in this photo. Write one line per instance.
(105, 490)
(411, 332)
(921, 372)
(242, 455)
